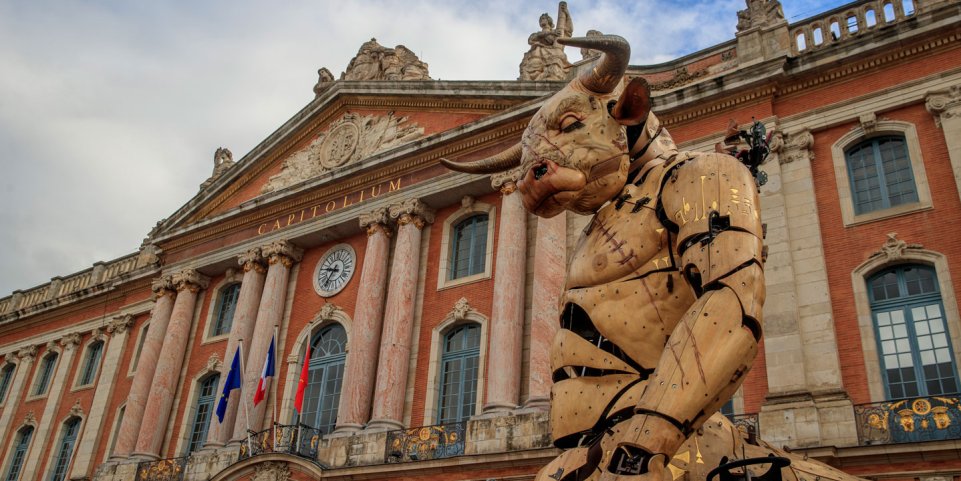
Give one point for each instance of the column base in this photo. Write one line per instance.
(497, 408)
(347, 428)
(538, 403)
(376, 425)
(143, 456)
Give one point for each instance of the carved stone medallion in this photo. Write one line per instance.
(340, 144)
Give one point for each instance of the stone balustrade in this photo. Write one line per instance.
(58, 287)
(852, 21)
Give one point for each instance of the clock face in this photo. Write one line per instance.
(335, 270)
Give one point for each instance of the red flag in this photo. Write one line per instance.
(302, 384)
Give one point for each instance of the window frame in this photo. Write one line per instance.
(469, 208)
(906, 303)
(7, 372)
(462, 355)
(15, 448)
(40, 374)
(201, 400)
(858, 135)
(459, 234)
(231, 277)
(325, 363)
(456, 317)
(87, 365)
(217, 320)
(138, 349)
(54, 462)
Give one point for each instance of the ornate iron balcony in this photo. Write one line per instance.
(427, 442)
(296, 439)
(934, 418)
(171, 469)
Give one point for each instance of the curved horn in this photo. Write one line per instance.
(497, 163)
(604, 76)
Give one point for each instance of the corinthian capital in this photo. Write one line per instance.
(119, 324)
(798, 146)
(27, 353)
(252, 259)
(70, 341)
(374, 221)
(506, 182)
(944, 103)
(190, 279)
(282, 251)
(162, 286)
(411, 211)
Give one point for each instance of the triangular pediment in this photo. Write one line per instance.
(350, 127)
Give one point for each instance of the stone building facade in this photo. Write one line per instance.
(427, 297)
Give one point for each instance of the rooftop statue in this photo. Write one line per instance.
(662, 309)
(374, 62)
(546, 59)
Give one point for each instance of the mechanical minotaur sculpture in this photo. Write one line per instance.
(661, 313)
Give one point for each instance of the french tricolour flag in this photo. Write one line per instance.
(268, 372)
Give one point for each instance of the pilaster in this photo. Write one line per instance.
(945, 106)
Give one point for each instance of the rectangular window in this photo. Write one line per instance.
(92, 363)
(45, 374)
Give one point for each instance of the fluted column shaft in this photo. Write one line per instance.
(137, 397)
(280, 255)
(507, 314)
(550, 257)
(242, 327)
(391, 384)
(167, 373)
(361, 368)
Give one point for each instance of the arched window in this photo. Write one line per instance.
(322, 395)
(6, 377)
(468, 247)
(20, 447)
(225, 310)
(915, 347)
(91, 363)
(45, 374)
(205, 407)
(881, 174)
(459, 365)
(65, 449)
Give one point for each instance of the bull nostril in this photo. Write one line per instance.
(540, 171)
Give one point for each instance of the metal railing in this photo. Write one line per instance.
(747, 424)
(296, 439)
(426, 442)
(171, 469)
(934, 418)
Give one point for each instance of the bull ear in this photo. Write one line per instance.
(635, 103)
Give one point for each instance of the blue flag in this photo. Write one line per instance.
(233, 382)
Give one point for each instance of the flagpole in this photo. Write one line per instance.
(272, 382)
(243, 399)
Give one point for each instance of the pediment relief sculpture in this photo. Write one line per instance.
(351, 138)
(376, 62)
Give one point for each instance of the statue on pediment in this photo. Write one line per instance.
(324, 80)
(759, 13)
(546, 59)
(375, 62)
(223, 160)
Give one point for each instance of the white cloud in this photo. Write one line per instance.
(110, 111)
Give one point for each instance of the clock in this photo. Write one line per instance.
(334, 270)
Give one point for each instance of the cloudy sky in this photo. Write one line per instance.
(110, 110)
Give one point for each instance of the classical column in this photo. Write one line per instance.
(242, 327)
(49, 418)
(10, 405)
(167, 373)
(390, 389)
(280, 255)
(83, 463)
(361, 368)
(550, 260)
(945, 105)
(164, 293)
(507, 314)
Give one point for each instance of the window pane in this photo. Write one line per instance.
(206, 394)
(881, 174)
(326, 378)
(469, 247)
(459, 370)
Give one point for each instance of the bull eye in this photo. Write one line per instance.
(570, 123)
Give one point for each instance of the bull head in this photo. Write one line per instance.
(574, 153)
